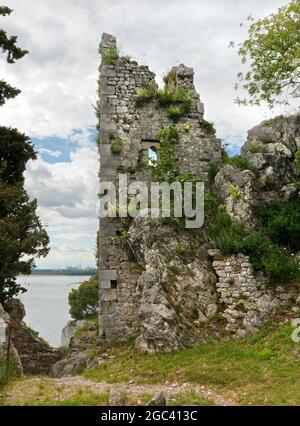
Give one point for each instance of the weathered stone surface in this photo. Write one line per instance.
(70, 367)
(176, 297)
(158, 400)
(69, 332)
(237, 188)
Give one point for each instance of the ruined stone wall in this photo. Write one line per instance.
(247, 299)
(137, 127)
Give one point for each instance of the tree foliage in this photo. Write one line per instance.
(13, 53)
(21, 233)
(22, 236)
(84, 301)
(272, 51)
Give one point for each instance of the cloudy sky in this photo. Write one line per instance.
(58, 82)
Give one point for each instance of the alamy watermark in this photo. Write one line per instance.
(178, 200)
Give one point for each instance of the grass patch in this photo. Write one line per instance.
(191, 398)
(145, 93)
(259, 370)
(239, 162)
(5, 376)
(46, 392)
(110, 57)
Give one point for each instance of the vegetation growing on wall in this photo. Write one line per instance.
(296, 162)
(176, 100)
(116, 146)
(110, 57)
(208, 127)
(239, 162)
(145, 93)
(271, 248)
(168, 135)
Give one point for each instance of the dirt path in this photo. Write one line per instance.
(170, 390)
(61, 389)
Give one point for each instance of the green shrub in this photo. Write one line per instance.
(239, 162)
(145, 93)
(208, 127)
(84, 301)
(274, 260)
(110, 56)
(168, 135)
(116, 146)
(296, 162)
(173, 269)
(177, 101)
(165, 97)
(226, 234)
(282, 223)
(165, 168)
(174, 112)
(212, 172)
(225, 157)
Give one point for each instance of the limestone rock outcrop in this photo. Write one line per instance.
(176, 289)
(271, 178)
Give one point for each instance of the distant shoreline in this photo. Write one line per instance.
(88, 272)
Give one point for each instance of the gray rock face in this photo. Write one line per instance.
(271, 148)
(176, 288)
(69, 332)
(237, 188)
(70, 367)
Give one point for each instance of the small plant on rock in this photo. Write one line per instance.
(168, 135)
(110, 56)
(174, 112)
(145, 93)
(239, 162)
(208, 127)
(255, 147)
(116, 146)
(234, 192)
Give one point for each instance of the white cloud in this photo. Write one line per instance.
(58, 77)
(67, 197)
(55, 154)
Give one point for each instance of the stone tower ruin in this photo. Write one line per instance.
(136, 128)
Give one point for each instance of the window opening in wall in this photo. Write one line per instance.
(113, 284)
(152, 156)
